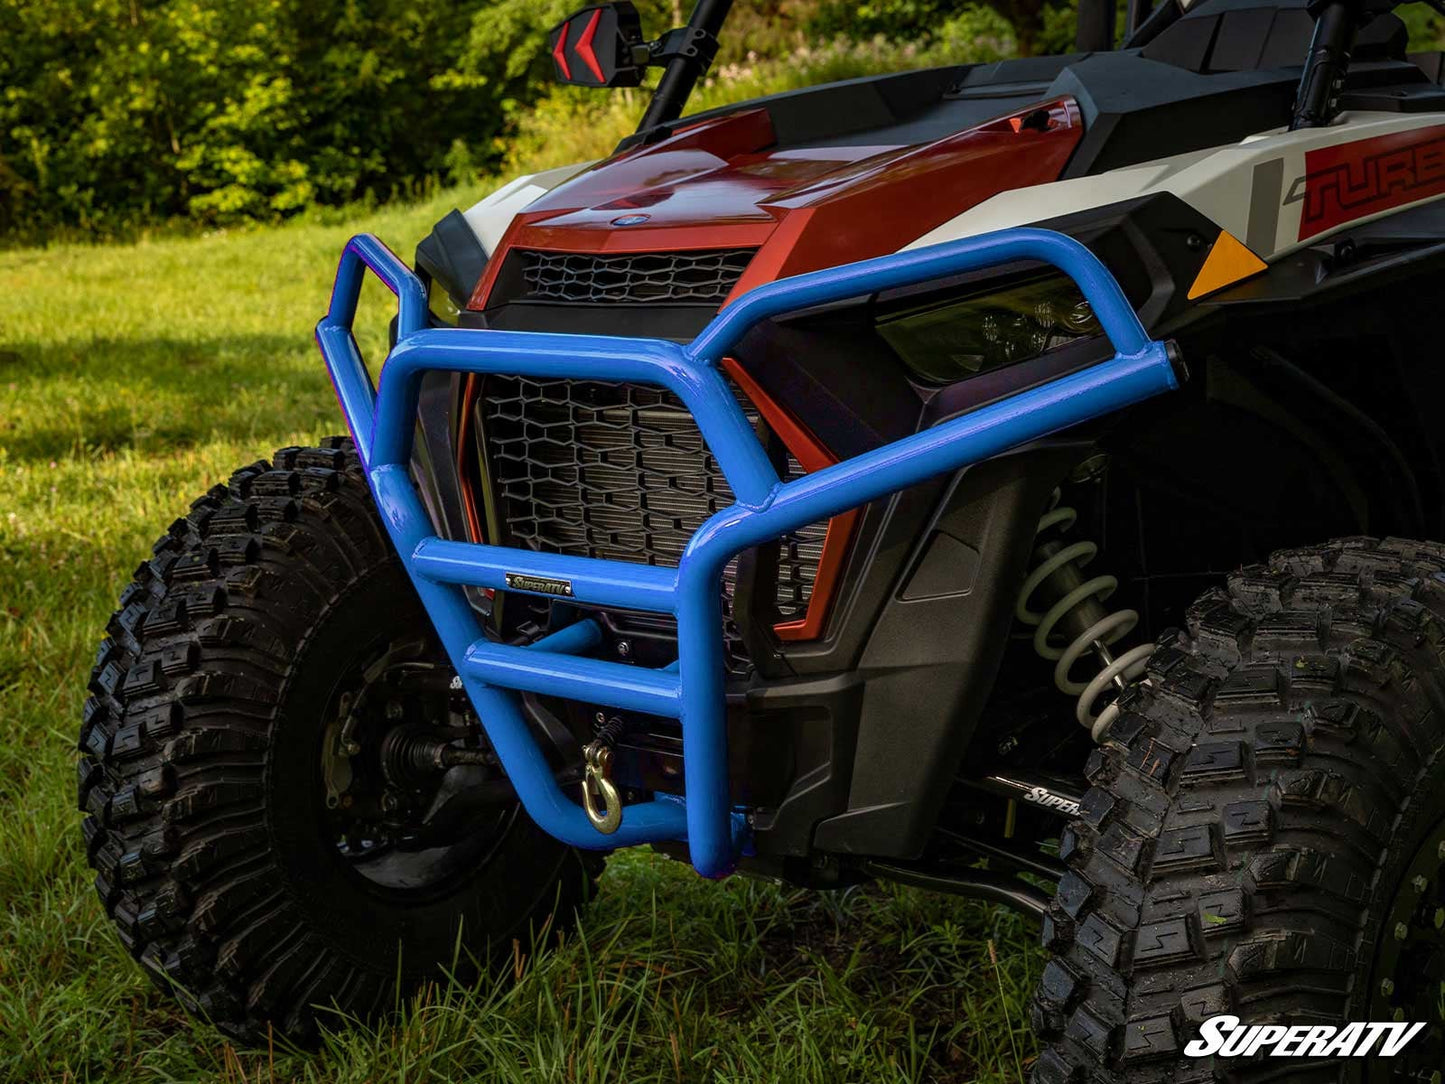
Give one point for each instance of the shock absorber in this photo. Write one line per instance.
(1075, 621)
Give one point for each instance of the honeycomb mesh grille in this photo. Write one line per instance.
(618, 471)
(647, 278)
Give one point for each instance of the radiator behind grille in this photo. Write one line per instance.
(617, 471)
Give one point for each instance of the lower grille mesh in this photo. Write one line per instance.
(617, 471)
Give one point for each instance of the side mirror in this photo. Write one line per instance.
(600, 46)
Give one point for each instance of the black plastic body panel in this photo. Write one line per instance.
(681, 323)
(453, 257)
(924, 693)
(1345, 364)
(1226, 70)
(434, 462)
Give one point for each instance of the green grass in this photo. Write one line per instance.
(131, 379)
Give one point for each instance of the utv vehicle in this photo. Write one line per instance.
(1021, 480)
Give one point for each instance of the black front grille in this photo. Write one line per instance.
(617, 471)
(638, 279)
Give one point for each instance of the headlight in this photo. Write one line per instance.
(955, 340)
(440, 302)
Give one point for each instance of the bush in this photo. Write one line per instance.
(1033, 25)
(120, 114)
(116, 113)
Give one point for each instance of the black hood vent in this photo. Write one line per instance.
(649, 278)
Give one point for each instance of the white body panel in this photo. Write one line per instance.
(490, 217)
(1254, 189)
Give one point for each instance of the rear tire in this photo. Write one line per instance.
(1265, 832)
(235, 869)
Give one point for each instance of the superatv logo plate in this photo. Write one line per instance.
(539, 585)
(1227, 1037)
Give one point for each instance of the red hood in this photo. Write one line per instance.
(723, 183)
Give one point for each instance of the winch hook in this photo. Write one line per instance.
(600, 798)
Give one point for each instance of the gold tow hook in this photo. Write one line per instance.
(597, 757)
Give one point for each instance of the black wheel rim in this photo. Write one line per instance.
(393, 820)
(1408, 976)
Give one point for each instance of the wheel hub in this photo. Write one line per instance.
(405, 769)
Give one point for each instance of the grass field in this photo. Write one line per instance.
(131, 379)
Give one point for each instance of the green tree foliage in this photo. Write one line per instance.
(118, 112)
(507, 44)
(573, 124)
(1038, 25)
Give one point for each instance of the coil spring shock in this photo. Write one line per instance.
(1080, 620)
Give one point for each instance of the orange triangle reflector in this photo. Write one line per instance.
(1227, 263)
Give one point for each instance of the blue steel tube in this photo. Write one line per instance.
(593, 580)
(632, 688)
(765, 509)
(702, 390)
(1116, 316)
(1062, 403)
(333, 334)
(1067, 401)
(576, 638)
(525, 763)
(364, 252)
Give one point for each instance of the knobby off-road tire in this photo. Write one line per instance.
(1252, 818)
(201, 769)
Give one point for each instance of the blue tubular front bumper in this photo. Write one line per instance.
(691, 690)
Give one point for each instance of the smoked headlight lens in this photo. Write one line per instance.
(958, 339)
(441, 304)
